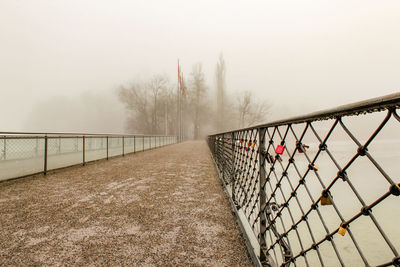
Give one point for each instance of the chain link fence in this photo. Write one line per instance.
(24, 154)
(318, 190)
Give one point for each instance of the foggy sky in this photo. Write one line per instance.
(58, 59)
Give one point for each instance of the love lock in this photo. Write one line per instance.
(253, 144)
(269, 158)
(343, 229)
(302, 148)
(326, 198)
(279, 149)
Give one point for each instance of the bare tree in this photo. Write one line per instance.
(250, 111)
(198, 100)
(146, 105)
(220, 80)
(157, 85)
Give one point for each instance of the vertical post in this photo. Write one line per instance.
(143, 143)
(83, 149)
(223, 157)
(45, 155)
(263, 198)
(134, 144)
(123, 146)
(107, 146)
(233, 164)
(150, 141)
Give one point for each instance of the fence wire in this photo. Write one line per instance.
(321, 190)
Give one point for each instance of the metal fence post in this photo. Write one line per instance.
(262, 194)
(233, 166)
(123, 146)
(107, 146)
(45, 155)
(223, 158)
(83, 149)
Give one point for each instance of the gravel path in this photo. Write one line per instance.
(162, 207)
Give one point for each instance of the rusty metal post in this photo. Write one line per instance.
(233, 166)
(262, 194)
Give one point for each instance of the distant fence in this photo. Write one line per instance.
(24, 154)
(318, 190)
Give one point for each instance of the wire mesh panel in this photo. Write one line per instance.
(95, 148)
(114, 146)
(23, 154)
(20, 156)
(321, 190)
(139, 143)
(147, 141)
(64, 151)
(129, 143)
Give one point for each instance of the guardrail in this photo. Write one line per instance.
(27, 153)
(317, 190)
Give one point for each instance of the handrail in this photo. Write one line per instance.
(366, 106)
(76, 134)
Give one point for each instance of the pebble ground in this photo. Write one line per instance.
(163, 207)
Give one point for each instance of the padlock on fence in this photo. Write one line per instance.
(343, 229)
(279, 149)
(301, 148)
(326, 198)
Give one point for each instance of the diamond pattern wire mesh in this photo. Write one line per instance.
(322, 191)
(12, 148)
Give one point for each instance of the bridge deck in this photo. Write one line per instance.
(155, 208)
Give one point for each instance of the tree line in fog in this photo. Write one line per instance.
(152, 106)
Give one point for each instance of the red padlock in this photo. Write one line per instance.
(246, 148)
(279, 149)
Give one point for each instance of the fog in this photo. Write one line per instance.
(61, 62)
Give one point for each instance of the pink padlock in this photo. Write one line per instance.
(279, 149)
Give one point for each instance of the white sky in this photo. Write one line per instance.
(301, 56)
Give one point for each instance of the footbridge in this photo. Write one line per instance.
(315, 190)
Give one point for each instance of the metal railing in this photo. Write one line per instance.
(27, 153)
(317, 190)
